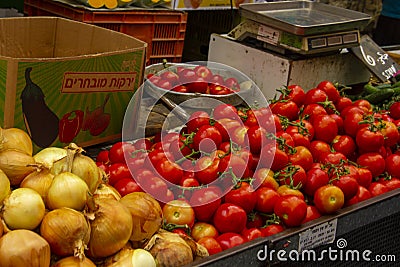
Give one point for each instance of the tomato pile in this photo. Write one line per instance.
(199, 79)
(236, 174)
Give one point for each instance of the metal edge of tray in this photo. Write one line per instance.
(356, 20)
(366, 212)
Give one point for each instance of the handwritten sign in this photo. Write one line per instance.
(319, 235)
(375, 59)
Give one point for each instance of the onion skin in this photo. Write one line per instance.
(23, 209)
(24, 248)
(146, 214)
(67, 231)
(106, 191)
(72, 261)
(49, 155)
(111, 228)
(131, 258)
(15, 138)
(84, 167)
(5, 187)
(16, 165)
(39, 180)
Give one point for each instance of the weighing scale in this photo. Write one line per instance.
(286, 42)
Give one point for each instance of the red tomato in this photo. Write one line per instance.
(230, 240)
(390, 133)
(302, 157)
(291, 210)
(330, 89)
(325, 128)
(251, 234)
(178, 212)
(339, 122)
(392, 183)
(118, 151)
(293, 175)
(377, 188)
(318, 149)
(142, 143)
(364, 177)
(348, 185)
(257, 138)
(155, 156)
(196, 120)
(179, 149)
(211, 244)
(295, 93)
(344, 144)
(242, 195)
(333, 158)
(315, 95)
(312, 214)
(392, 165)
(372, 161)
(313, 110)
(342, 103)
(271, 229)
(363, 104)
(394, 110)
(266, 199)
(286, 108)
(125, 186)
(170, 171)
(225, 111)
(328, 199)
(239, 136)
(273, 157)
(155, 186)
(207, 139)
(351, 123)
(206, 169)
(234, 163)
(118, 171)
(203, 229)
(287, 190)
(102, 157)
(316, 178)
(264, 177)
(368, 140)
(205, 201)
(255, 220)
(230, 218)
(362, 194)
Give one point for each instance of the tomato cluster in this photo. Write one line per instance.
(199, 79)
(236, 174)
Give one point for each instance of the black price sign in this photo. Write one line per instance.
(375, 59)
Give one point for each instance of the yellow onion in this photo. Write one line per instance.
(67, 190)
(146, 215)
(87, 170)
(48, 156)
(111, 228)
(16, 165)
(169, 250)
(106, 191)
(16, 138)
(23, 209)
(5, 188)
(72, 261)
(131, 258)
(67, 231)
(24, 248)
(39, 180)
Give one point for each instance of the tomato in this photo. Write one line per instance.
(118, 171)
(291, 210)
(372, 161)
(318, 149)
(295, 93)
(207, 139)
(203, 229)
(363, 104)
(369, 140)
(234, 163)
(315, 95)
(230, 240)
(155, 156)
(251, 234)
(390, 133)
(392, 183)
(316, 178)
(394, 110)
(313, 110)
(325, 128)
(229, 126)
(230, 218)
(302, 157)
(287, 190)
(377, 188)
(196, 120)
(348, 185)
(333, 158)
(392, 165)
(118, 151)
(255, 220)
(271, 152)
(142, 143)
(271, 229)
(264, 177)
(302, 133)
(102, 156)
(211, 244)
(293, 175)
(125, 186)
(312, 214)
(344, 144)
(257, 138)
(179, 149)
(205, 201)
(328, 199)
(242, 195)
(239, 136)
(339, 122)
(155, 186)
(330, 89)
(266, 199)
(342, 103)
(286, 108)
(351, 123)
(362, 194)
(206, 169)
(364, 177)
(225, 111)
(170, 171)
(178, 212)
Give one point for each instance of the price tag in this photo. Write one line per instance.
(375, 59)
(321, 234)
(268, 34)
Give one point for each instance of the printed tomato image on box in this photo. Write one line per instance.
(70, 83)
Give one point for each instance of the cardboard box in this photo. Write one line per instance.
(206, 4)
(64, 81)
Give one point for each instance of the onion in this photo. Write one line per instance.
(16, 165)
(24, 248)
(72, 261)
(39, 180)
(111, 228)
(131, 258)
(146, 214)
(87, 170)
(67, 231)
(16, 138)
(106, 191)
(49, 155)
(23, 209)
(67, 190)
(5, 188)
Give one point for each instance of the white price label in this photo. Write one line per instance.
(321, 234)
(268, 35)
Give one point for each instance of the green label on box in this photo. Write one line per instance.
(80, 100)
(291, 40)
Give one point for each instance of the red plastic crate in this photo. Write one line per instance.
(162, 29)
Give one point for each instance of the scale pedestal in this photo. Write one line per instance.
(271, 71)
